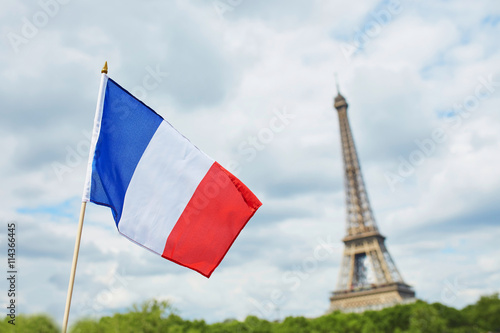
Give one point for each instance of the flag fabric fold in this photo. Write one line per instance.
(165, 194)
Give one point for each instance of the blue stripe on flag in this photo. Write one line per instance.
(127, 126)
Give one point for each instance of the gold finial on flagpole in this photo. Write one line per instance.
(105, 68)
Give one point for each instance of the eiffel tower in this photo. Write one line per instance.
(368, 279)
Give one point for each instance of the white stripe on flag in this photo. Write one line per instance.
(170, 169)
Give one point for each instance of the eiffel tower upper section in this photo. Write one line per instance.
(360, 218)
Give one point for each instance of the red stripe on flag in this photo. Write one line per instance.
(217, 212)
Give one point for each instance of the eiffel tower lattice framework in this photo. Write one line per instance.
(368, 279)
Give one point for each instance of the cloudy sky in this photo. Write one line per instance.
(422, 80)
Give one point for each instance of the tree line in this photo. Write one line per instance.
(154, 316)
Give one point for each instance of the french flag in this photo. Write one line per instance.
(165, 194)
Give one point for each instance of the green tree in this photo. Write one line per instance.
(454, 318)
(229, 326)
(294, 325)
(85, 325)
(419, 317)
(150, 317)
(34, 323)
(392, 318)
(369, 327)
(485, 313)
(256, 325)
(426, 319)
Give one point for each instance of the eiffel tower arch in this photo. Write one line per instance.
(368, 278)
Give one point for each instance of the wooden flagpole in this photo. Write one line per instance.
(73, 267)
(76, 251)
